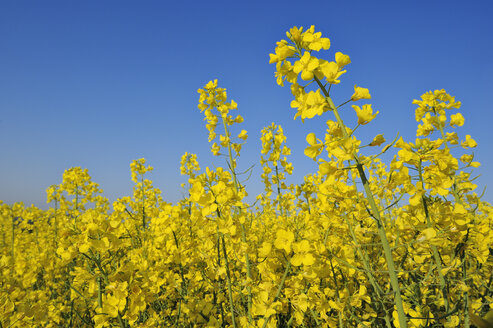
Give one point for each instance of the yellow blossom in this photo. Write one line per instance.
(469, 142)
(378, 140)
(331, 71)
(306, 65)
(456, 120)
(315, 146)
(365, 114)
(243, 135)
(302, 254)
(360, 93)
(342, 60)
(284, 239)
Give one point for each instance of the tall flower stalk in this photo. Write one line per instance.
(300, 46)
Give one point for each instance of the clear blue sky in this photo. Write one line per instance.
(97, 84)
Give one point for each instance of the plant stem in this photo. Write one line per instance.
(394, 281)
(279, 289)
(467, 322)
(243, 232)
(13, 239)
(279, 195)
(100, 293)
(230, 292)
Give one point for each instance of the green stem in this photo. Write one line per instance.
(101, 288)
(13, 239)
(76, 205)
(366, 263)
(243, 232)
(249, 275)
(464, 260)
(279, 289)
(143, 203)
(55, 223)
(467, 322)
(341, 322)
(363, 255)
(230, 292)
(230, 153)
(314, 315)
(120, 320)
(394, 281)
(436, 255)
(100, 293)
(279, 195)
(183, 281)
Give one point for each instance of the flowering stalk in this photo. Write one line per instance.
(232, 165)
(366, 264)
(436, 255)
(212, 97)
(313, 103)
(318, 266)
(431, 112)
(394, 281)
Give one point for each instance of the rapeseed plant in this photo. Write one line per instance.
(359, 243)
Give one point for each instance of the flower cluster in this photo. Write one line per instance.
(213, 98)
(274, 161)
(359, 243)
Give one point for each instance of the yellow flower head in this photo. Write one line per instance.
(331, 71)
(243, 135)
(435, 102)
(360, 93)
(378, 140)
(295, 33)
(302, 254)
(284, 239)
(306, 65)
(138, 167)
(342, 59)
(469, 142)
(456, 119)
(315, 146)
(282, 51)
(365, 115)
(215, 149)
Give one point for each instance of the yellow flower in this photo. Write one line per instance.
(456, 119)
(469, 142)
(283, 51)
(284, 71)
(239, 119)
(306, 65)
(315, 148)
(211, 85)
(302, 254)
(331, 71)
(294, 33)
(265, 250)
(342, 60)
(215, 149)
(243, 135)
(365, 115)
(310, 104)
(360, 93)
(284, 239)
(378, 140)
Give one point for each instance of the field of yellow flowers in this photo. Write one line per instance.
(360, 243)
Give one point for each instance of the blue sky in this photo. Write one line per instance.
(97, 84)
